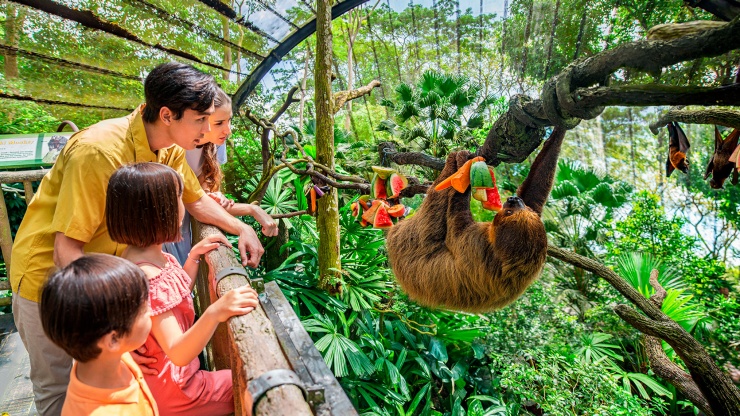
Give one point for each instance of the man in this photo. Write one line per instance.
(66, 217)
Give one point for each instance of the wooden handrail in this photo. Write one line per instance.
(253, 346)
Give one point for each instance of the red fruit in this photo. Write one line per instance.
(377, 188)
(396, 183)
(369, 215)
(396, 211)
(382, 220)
(493, 202)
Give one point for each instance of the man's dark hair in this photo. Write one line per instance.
(92, 296)
(142, 207)
(178, 87)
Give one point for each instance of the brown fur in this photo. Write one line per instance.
(442, 258)
(720, 167)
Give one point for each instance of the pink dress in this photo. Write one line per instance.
(182, 390)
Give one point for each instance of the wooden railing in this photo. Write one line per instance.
(258, 345)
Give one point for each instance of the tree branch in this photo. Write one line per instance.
(388, 151)
(656, 94)
(341, 97)
(720, 116)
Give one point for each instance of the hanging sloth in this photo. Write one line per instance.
(442, 258)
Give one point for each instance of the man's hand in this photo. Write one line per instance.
(269, 225)
(250, 247)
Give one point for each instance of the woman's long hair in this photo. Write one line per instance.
(211, 170)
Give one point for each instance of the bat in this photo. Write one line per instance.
(677, 149)
(724, 159)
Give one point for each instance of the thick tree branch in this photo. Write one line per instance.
(720, 116)
(388, 152)
(655, 94)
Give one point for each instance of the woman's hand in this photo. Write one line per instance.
(269, 225)
(221, 199)
(208, 244)
(144, 361)
(239, 301)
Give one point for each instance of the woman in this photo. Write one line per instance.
(205, 160)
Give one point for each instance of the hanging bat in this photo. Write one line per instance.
(724, 159)
(677, 149)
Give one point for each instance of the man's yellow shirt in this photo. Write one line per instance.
(71, 197)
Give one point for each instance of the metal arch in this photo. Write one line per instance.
(277, 54)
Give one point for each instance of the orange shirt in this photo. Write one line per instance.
(134, 400)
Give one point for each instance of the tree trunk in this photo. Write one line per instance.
(15, 17)
(632, 144)
(581, 29)
(527, 31)
(436, 33)
(328, 219)
(503, 26)
(227, 49)
(552, 39)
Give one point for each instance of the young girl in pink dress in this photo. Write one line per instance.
(144, 209)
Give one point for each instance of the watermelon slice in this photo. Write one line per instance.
(396, 183)
(369, 215)
(480, 176)
(377, 188)
(493, 200)
(397, 210)
(382, 220)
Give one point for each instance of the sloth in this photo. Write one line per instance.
(442, 258)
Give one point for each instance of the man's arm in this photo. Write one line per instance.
(67, 250)
(208, 211)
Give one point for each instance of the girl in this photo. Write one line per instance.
(205, 160)
(144, 210)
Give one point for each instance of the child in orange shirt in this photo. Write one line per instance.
(97, 310)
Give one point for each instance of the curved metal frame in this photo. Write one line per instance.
(277, 54)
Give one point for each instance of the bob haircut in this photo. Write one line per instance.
(91, 297)
(142, 205)
(178, 87)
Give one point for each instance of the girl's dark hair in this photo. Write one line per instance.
(178, 87)
(92, 296)
(142, 207)
(211, 170)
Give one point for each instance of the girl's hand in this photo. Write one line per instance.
(239, 301)
(269, 225)
(221, 199)
(208, 244)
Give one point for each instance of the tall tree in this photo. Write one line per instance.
(328, 220)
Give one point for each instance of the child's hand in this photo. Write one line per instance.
(269, 225)
(207, 244)
(239, 301)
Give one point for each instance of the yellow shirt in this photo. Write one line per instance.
(134, 400)
(71, 197)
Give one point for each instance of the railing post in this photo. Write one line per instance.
(217, 351)
(255, 349)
